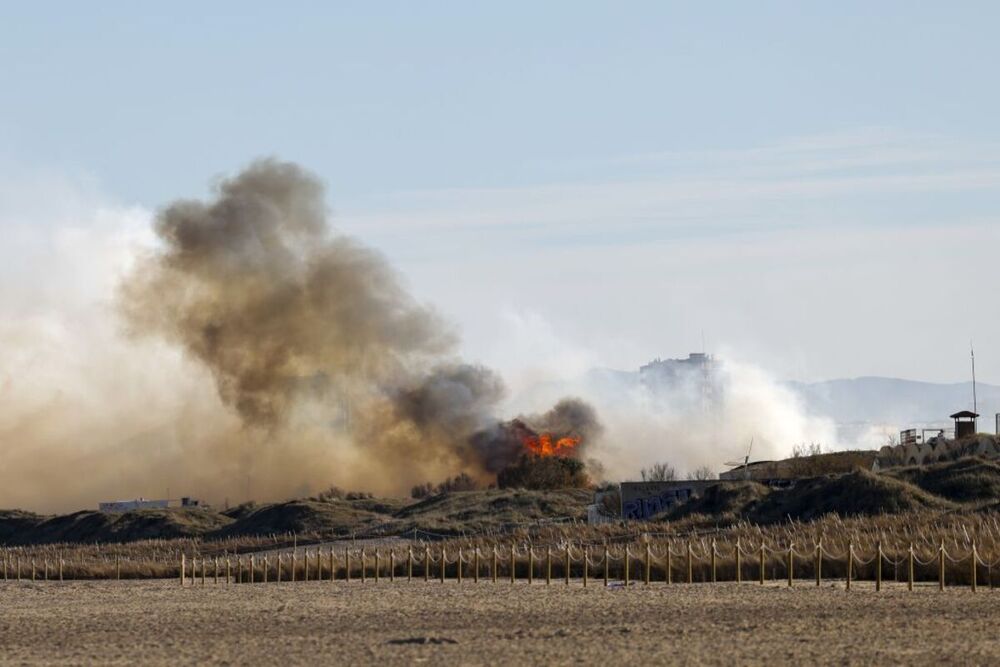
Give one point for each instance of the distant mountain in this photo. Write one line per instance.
(880, 400)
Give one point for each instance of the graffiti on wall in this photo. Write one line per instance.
(646, 507)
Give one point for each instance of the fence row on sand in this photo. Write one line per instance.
(625, 565)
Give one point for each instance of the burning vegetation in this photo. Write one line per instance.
(336, 372)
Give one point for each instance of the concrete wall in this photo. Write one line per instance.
(644, 500)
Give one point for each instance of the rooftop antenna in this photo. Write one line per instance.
(972, 354)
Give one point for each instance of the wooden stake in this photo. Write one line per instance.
(182, 570)
(713, 561)
(513, 562)
(278, 567)
(941, 566)
(475, 574)
(791, 567)
(392, 565)
(216, 560)
(878, 565)
(239, 570)
(60, 570)
(252, 568)
(531, 564)
(266, 568)
(762, 566)
(690, 560)
(427, 563)
(627, 557)
(972, 566)
(607, 564)
(409, 564)
(909, 569)
(347, 565)
(202, 571)
(649, 563)
(548, 566)
(444, 562)
(850, 563)
(567, 564)
(459, 565)
(739, 563)
(586, 565)
(118, 568)
(819, 563)
(229, 570)
(305, 564)
(333, 565)
(378, 557)
(494, 564)
(295, 563)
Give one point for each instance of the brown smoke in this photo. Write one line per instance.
(310, 337)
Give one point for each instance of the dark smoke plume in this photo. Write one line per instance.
(310, 337)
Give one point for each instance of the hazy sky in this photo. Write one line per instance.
(812, 186)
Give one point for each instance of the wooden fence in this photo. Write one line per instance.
(648, 562)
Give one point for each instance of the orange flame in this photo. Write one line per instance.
(542, 445)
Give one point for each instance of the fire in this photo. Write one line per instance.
(542, 445)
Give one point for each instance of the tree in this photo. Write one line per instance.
(659, 472)
(704, 473)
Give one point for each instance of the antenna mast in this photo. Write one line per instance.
(972, 354)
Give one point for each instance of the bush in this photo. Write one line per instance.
(543, 473)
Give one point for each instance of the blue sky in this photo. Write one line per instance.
(814, 185)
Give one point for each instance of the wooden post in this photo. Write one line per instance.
(45, 573)
(182, 569)
(495, 563)
(266, 567)
(475, 574)
(690, 559)
(586, 565)
(739, 563)
(252, 568)
(791, 568)
(713, 561)
(18, 567)
(762, 565)
(239, 570)
(203, 571)
(216, 561)
(628, 561)
(531, 564)
(444, 562)
(850, 562)
(295, 562)
(909, 569)
(878, 565)
(548, 566)
(305, 564)
(941, 566)
(60, 570)
(513, 561)
(567, 564)
(33, 569)
(364, 566)
(229, 571)
(118, 568)
(972, 566)
(377, 559)
(409, 564)
(427, 563)
(277, 577)
(333, 566)
(392, 565)
(607, 564)
(458, 565)
(649, 562)
(819, 563)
